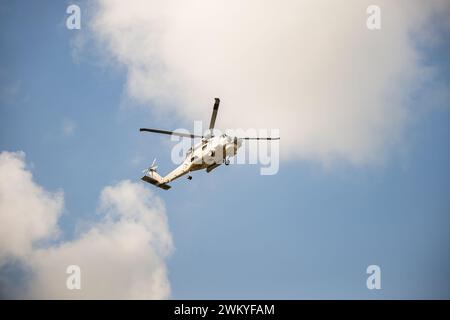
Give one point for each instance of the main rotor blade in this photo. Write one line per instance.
(247, 138)
(187, 135)
(214, 113)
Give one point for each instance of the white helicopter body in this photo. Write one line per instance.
(207, 154)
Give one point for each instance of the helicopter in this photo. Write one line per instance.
(209, 153)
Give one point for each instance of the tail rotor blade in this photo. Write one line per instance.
(152, 167)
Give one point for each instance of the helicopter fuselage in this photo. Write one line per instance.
(211, 151)
(207, 154)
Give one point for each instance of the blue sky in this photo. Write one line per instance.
(308, 232)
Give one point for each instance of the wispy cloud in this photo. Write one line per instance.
(68, 127)
(10, 92)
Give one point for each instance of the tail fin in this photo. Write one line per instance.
(151, 176)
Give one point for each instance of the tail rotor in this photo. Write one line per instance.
(152, 168)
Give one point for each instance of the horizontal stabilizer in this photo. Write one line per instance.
(155, 182)
(212, 167)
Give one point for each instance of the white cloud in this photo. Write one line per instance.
(122, 256)
(68, 127)
(28, 213)
(310, 68)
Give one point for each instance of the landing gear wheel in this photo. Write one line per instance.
(227, 162)
(189, 177)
